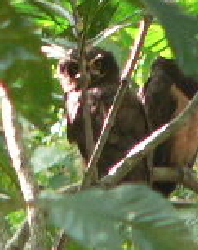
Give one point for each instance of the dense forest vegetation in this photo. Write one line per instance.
(42, 205)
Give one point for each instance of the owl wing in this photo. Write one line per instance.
(167, 93)
(128, 129)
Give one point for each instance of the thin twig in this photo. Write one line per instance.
(84, 81)
(20, 162)
(61, 240)
(116, 27)
(183, 176)
(136, 48)
(109, 121)
(20, 237)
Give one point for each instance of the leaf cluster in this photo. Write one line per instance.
(108, 219)
(96, 218)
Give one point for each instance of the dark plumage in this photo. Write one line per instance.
(167, 93)
(130, 124)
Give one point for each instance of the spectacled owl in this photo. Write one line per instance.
(167, 92)
(130, 124)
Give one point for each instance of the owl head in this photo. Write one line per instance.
(187, 84)
(101, 67)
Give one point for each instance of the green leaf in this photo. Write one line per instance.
(52, 9)
(48, 156)
(8, 178)
(10, 204)
(22, 66)
(58, 181)
(96, 15)
(136, 3)
(115, 28)
(107, 219)
(181, 30)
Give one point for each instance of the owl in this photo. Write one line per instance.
(130, 125)
(167, 92)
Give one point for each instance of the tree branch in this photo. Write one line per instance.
(182, 204)
(109, 121)
(182, 175)
(136, 48)
(84, 81)
(18, 154)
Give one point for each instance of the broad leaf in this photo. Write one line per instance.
(96, 15)
(45, 157)
(22, 66)
(181, 30)
(107, 219)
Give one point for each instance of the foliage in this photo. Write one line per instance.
(95, 217)
(187, 58)
(23, 67)
(106, 219)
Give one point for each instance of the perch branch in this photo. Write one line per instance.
(18, 154)
(183, 175)
(109, 121)
(183, 204)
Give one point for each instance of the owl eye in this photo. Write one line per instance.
(72, 69)
(98, 64)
